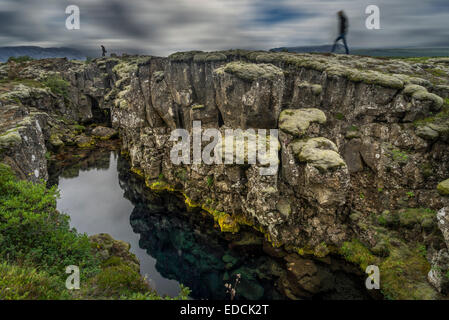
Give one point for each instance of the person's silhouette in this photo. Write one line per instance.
(103, 49)
(343, 30)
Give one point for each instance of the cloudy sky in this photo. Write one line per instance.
(160, 27)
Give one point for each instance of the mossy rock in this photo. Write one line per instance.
(209, 57)
(228, 224)
(427, 133)
(251, 71)
(83, 141)
(297, 121)
(183, 56)
(319, 152)
(436, 101)
(10, 139)
(316, 89)
(403, 274)
(443, 188)
(55, 140)
(376, 78)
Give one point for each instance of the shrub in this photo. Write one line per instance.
(37, 244)
(20, 59)
(57, 85)
(120, 280)
(34, 233)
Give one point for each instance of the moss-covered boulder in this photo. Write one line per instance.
(112, 252)
(9, 139)
(443, 187)
(319, 152)
(83, 141)
(251, 71)
(297, 121)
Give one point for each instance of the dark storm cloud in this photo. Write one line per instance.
(161, 27)
(116, 16)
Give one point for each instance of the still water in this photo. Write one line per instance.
(175, 246)
(95, 203)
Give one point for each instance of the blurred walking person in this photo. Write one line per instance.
(343, 30)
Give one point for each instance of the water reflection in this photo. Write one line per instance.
(92, 196)
(175, 246)
(189, 249)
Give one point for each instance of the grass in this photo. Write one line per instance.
(37, 244)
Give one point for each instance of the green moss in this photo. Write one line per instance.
(399, 156)
(183, 56)
(438, 72)
(413, 216)
(251, 71)
(356, 252)
(10, 139)
(319, 152)
(79, 128)
(297, 121)
(436, 101)
(197, 106)
(376, 78)
(443, 188)
(209, 57)
(404, 274)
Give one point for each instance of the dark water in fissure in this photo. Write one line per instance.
(173, 245)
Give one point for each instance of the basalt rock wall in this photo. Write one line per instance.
(358, 138)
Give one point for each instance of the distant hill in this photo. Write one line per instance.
(388, 52)
(40, 53)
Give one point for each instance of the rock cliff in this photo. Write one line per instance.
(363, 144)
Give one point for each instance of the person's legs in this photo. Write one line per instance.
(345, 43)
(335, 42)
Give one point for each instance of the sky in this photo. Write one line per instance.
(161, 27)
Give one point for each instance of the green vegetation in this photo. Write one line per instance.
(37, 244)
(399, 156)
(210, 181)
(20, 59)
(57, 85)
(251, 71)
(410, 194)
(400, 248)
(443, 187)
(18, 283)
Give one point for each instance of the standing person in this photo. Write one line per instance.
(103, 49)
(343, 30)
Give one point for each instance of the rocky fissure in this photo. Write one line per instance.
(363, 144)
